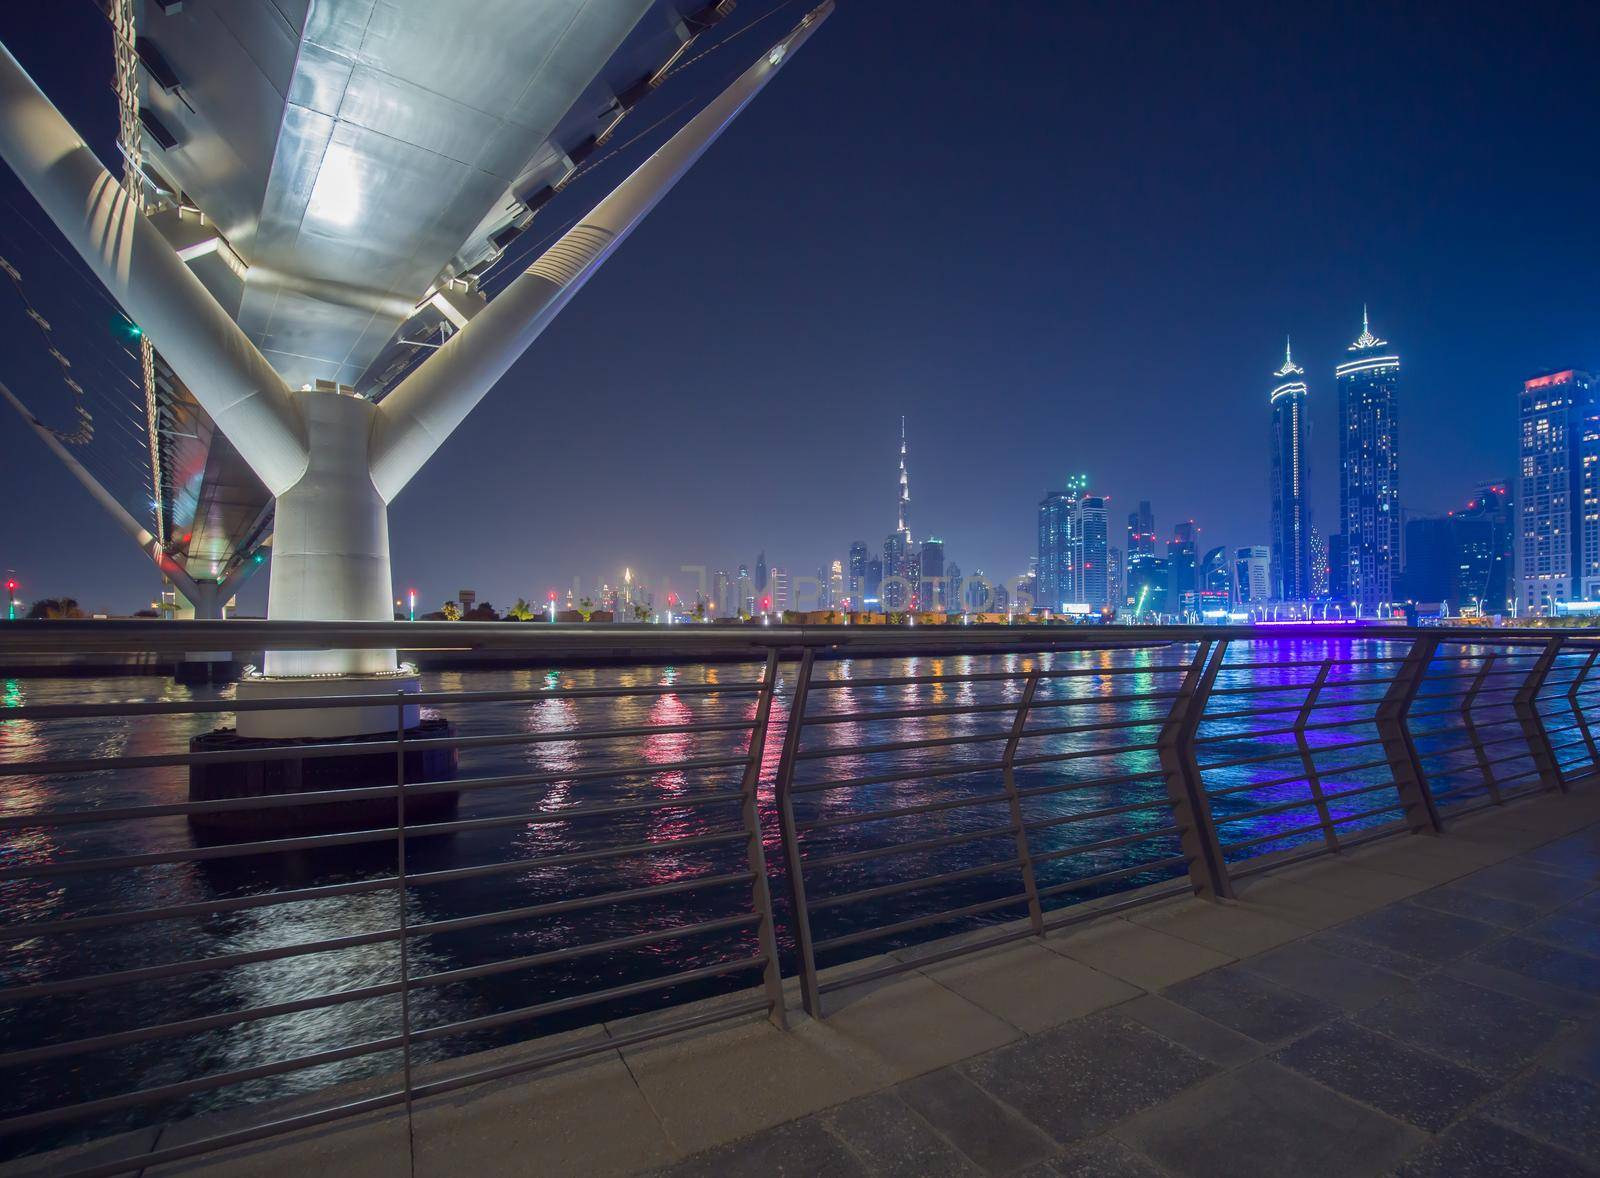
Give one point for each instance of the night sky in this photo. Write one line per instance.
(1057, 237)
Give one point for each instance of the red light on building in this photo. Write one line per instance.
(1540, 382)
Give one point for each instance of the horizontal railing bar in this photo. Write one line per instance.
(998, 676)
(1273, 836)
(276, 703)
(910, 885)
(1083, 754)
(1038, 791)
(1301, 777)
(194, 1026)
(890, 930)
(109, 1104)
(1123, 840)
(830, 752)
(1297, 663)
(901, 812)
(1309, 800)
(932, 844)
(612, 1042)
(918, 774)
(76, 924)
(1078, 701)
(1101, 812)
(587, 949)
(559, 1005)
(90, 983)
(1236, 737)
(571, 858)
(1330, 685)
(381, 834)
(1077, 885)
(138, 1163)
(1289, 751)
(822, 718)
(576, 904)
(1103, 726)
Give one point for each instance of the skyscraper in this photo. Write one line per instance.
(904, 507)
(901, 569)
(1090, 552)
(1252, 572)
(1183, 568)
(1060, 552)
(779, 585)
(1484, 550)
(930, 574)
(1291, 483)
(1558, 501)
(836, 590)
(747, 593)
(1116, 593)
(761, 573)
(1142, 531)
(1369, 468)
(857, 584)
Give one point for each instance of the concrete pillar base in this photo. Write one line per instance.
(317, 774)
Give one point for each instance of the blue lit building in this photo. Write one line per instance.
(1369, 470)
(1558, 491)
(1291, 484)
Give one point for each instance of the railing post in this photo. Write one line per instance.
(1308, 762)
(401, 890)
(799, 915)
(1410, 782)
(1181, 771)
(1481, 754)
(1577, 708)
(1030, 884)
(1526, 705)
(761, 884)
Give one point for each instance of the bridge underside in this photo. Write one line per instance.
(340, 193)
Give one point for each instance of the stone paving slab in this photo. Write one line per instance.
(1032, 988)
(1264, 1121)
(1142, 956)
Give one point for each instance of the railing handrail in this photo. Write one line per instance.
(691, 640)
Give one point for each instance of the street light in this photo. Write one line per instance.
(11, 600)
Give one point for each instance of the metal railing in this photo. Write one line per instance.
(625, 842)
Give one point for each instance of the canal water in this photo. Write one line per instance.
(1104, 715)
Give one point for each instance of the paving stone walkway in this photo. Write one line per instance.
(1431, 1007)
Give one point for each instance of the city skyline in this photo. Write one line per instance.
(1131, 286)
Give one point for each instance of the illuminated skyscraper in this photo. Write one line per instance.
(930, 574)
(746, 591)
(902, 571)
(836, 589)
(1558, 499)
(1091, 552)
(1291, 484)
(1059, 551)
(1142, 531)
(857, 584)
(1252, 574)
(904, 505)
(1369, 469)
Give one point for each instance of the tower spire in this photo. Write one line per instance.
(902, 526)
(1290, 368)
